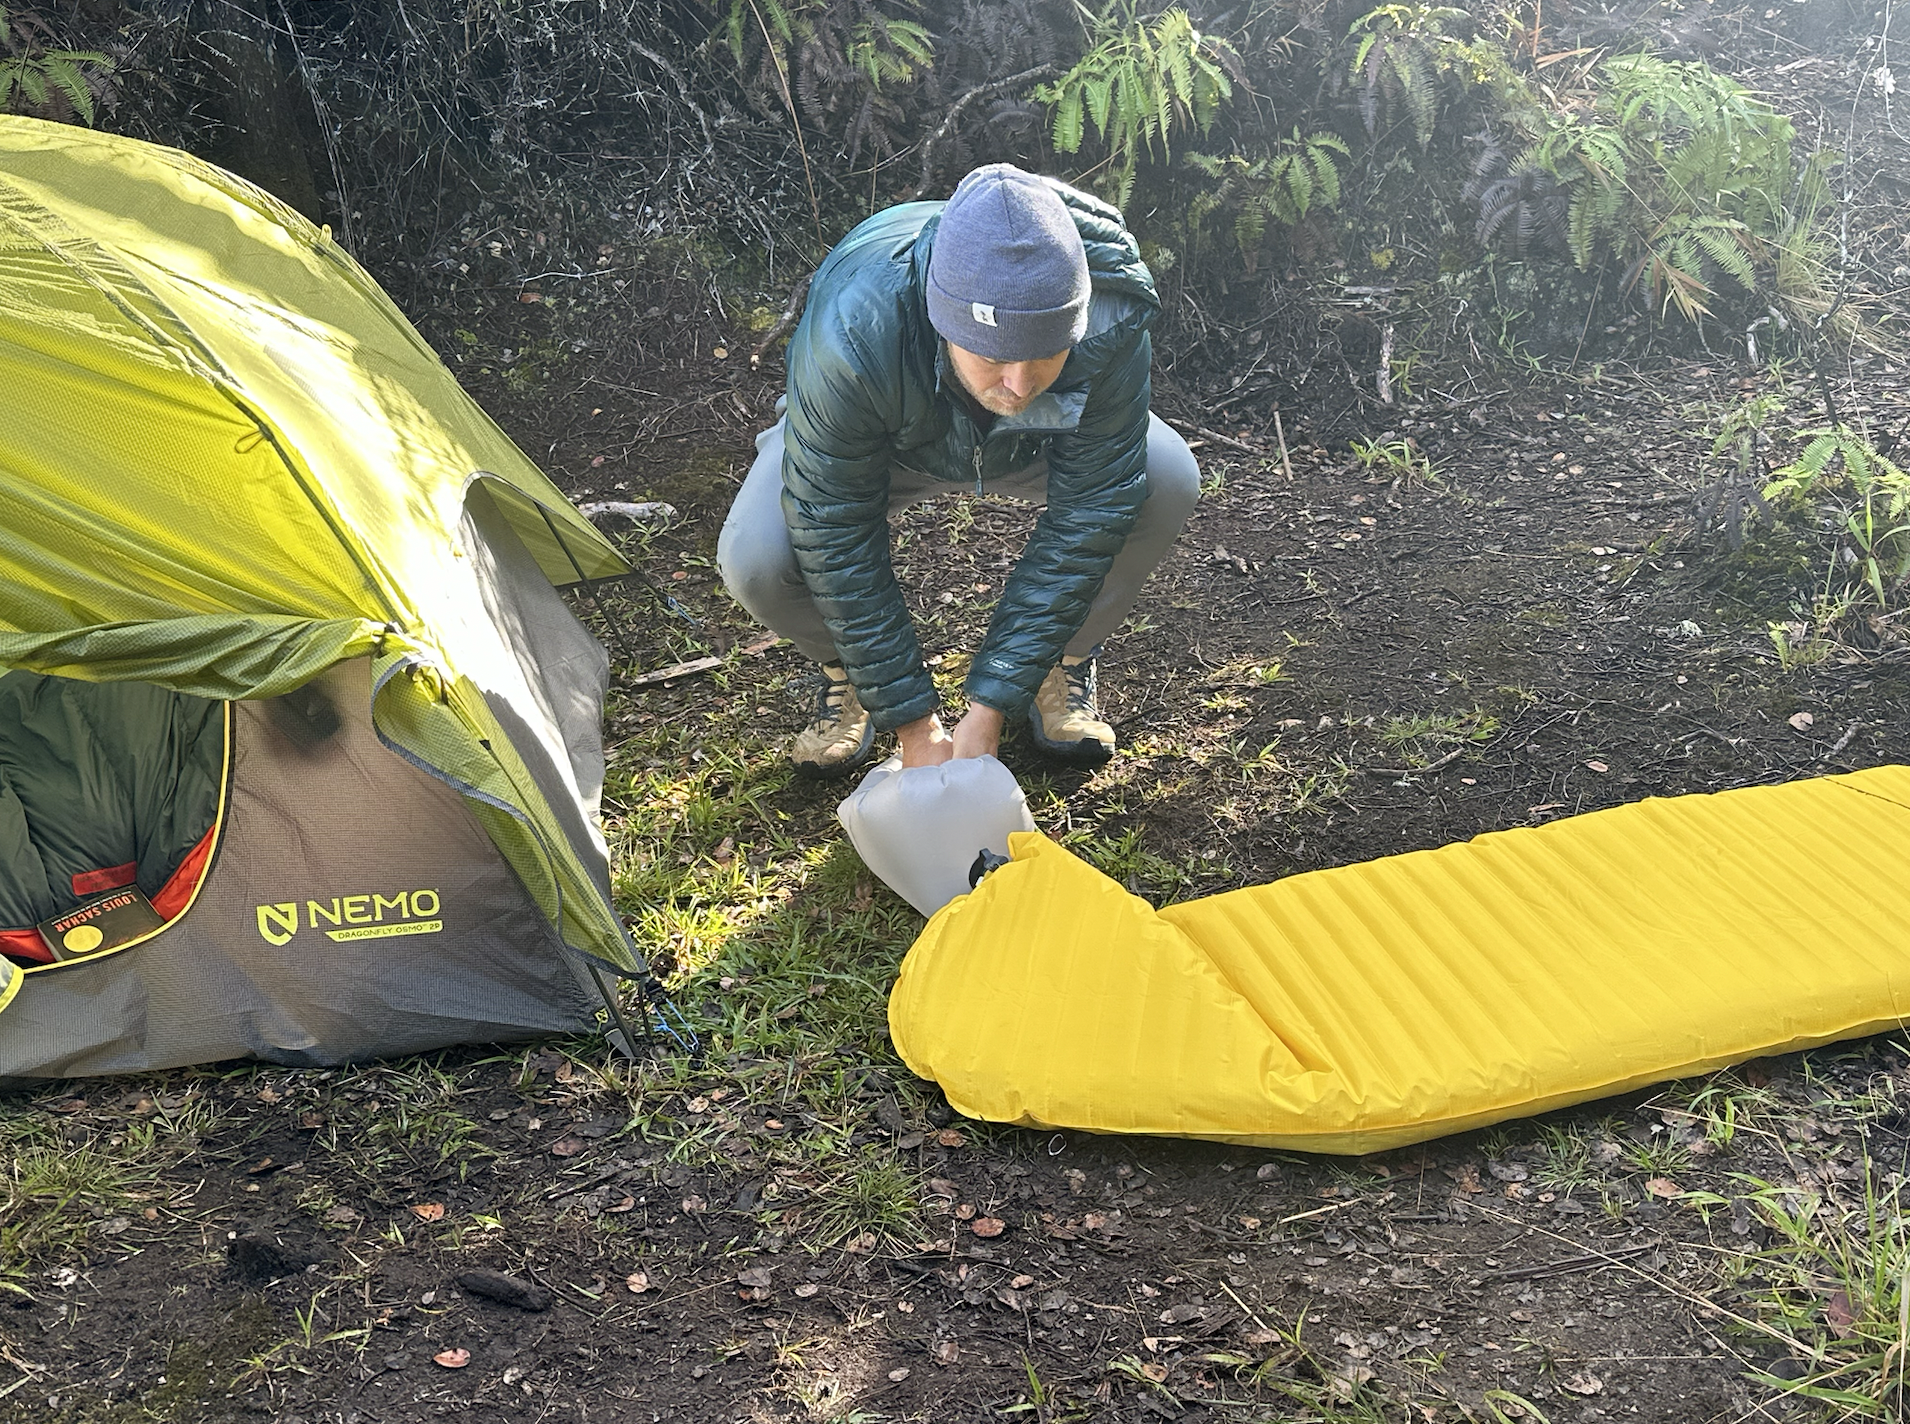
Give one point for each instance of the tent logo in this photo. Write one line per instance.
(409, 912)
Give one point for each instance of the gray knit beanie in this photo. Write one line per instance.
(1008, 277)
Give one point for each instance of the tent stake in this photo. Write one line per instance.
(627, 1044)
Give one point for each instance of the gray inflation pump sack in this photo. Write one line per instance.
(922, 829)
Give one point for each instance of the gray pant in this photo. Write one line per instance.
(758, 563)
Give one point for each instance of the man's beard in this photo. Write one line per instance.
(999, 402)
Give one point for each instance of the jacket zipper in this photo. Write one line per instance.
(978, 466)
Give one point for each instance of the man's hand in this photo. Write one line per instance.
(924, 743)
(979, 732)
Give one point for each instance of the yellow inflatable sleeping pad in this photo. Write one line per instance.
(1365, 1007)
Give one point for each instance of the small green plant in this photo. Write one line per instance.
(1742, 443)
(1402, 459)
(1439, 729)
(39, 78)
(1139, 82)
(1658, 1156)
(1300, 174)
(1869, 495)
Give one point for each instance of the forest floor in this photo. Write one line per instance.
(1512, 620)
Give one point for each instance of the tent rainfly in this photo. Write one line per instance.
(300, 747)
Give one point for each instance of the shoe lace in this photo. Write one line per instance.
(830, 696)
(1081, 686)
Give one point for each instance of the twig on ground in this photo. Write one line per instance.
(1570, 1264)
(1218, 439)
(1396, 772)
(696, 665)
(786, 323)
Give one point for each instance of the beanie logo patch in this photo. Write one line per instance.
(984, 313)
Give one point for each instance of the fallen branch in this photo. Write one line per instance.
(1203, 433)
(1569, 1265)
(786, 323)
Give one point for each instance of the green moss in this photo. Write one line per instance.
(200, 1378)
(1775, 567)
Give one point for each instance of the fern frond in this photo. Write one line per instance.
(1723, 243)
(1250, 227)
(1068, 122)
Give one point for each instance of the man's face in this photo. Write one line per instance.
(1004, 387)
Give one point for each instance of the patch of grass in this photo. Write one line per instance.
(52, 1192)
(1727, 1106)
(1661, 1156)
(872, 1205)
(1833, 1287)
(1421, 739)
(1124, 857)
(1568, 1163)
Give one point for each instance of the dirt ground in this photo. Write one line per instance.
(1514, 620)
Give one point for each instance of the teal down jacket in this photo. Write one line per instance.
(870, 389)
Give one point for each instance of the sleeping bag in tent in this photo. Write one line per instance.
(300, 747)
(1369, 1006)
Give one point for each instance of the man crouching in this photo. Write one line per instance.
(997, 343)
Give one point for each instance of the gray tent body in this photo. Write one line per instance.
(354, 907)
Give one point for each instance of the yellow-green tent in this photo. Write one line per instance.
(231, 470)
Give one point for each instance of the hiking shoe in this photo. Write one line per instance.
(841, 737)
(1066, 718)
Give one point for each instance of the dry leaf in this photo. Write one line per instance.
(1803, 721)
(898, 1375)
(947, 1353)
(638, 1282)
(1596, 766)
(988, 1226)
(1466, 1177)
(452, 1359)
(966, 1211)
(428, 1211)
(1839, 1315)
(1022, 1282)
(1585, 1383)
(949, 1137)
(568, 1146)
(807, 1289)
(755, 1276)
(1155, 1371)
(1664, 1188)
